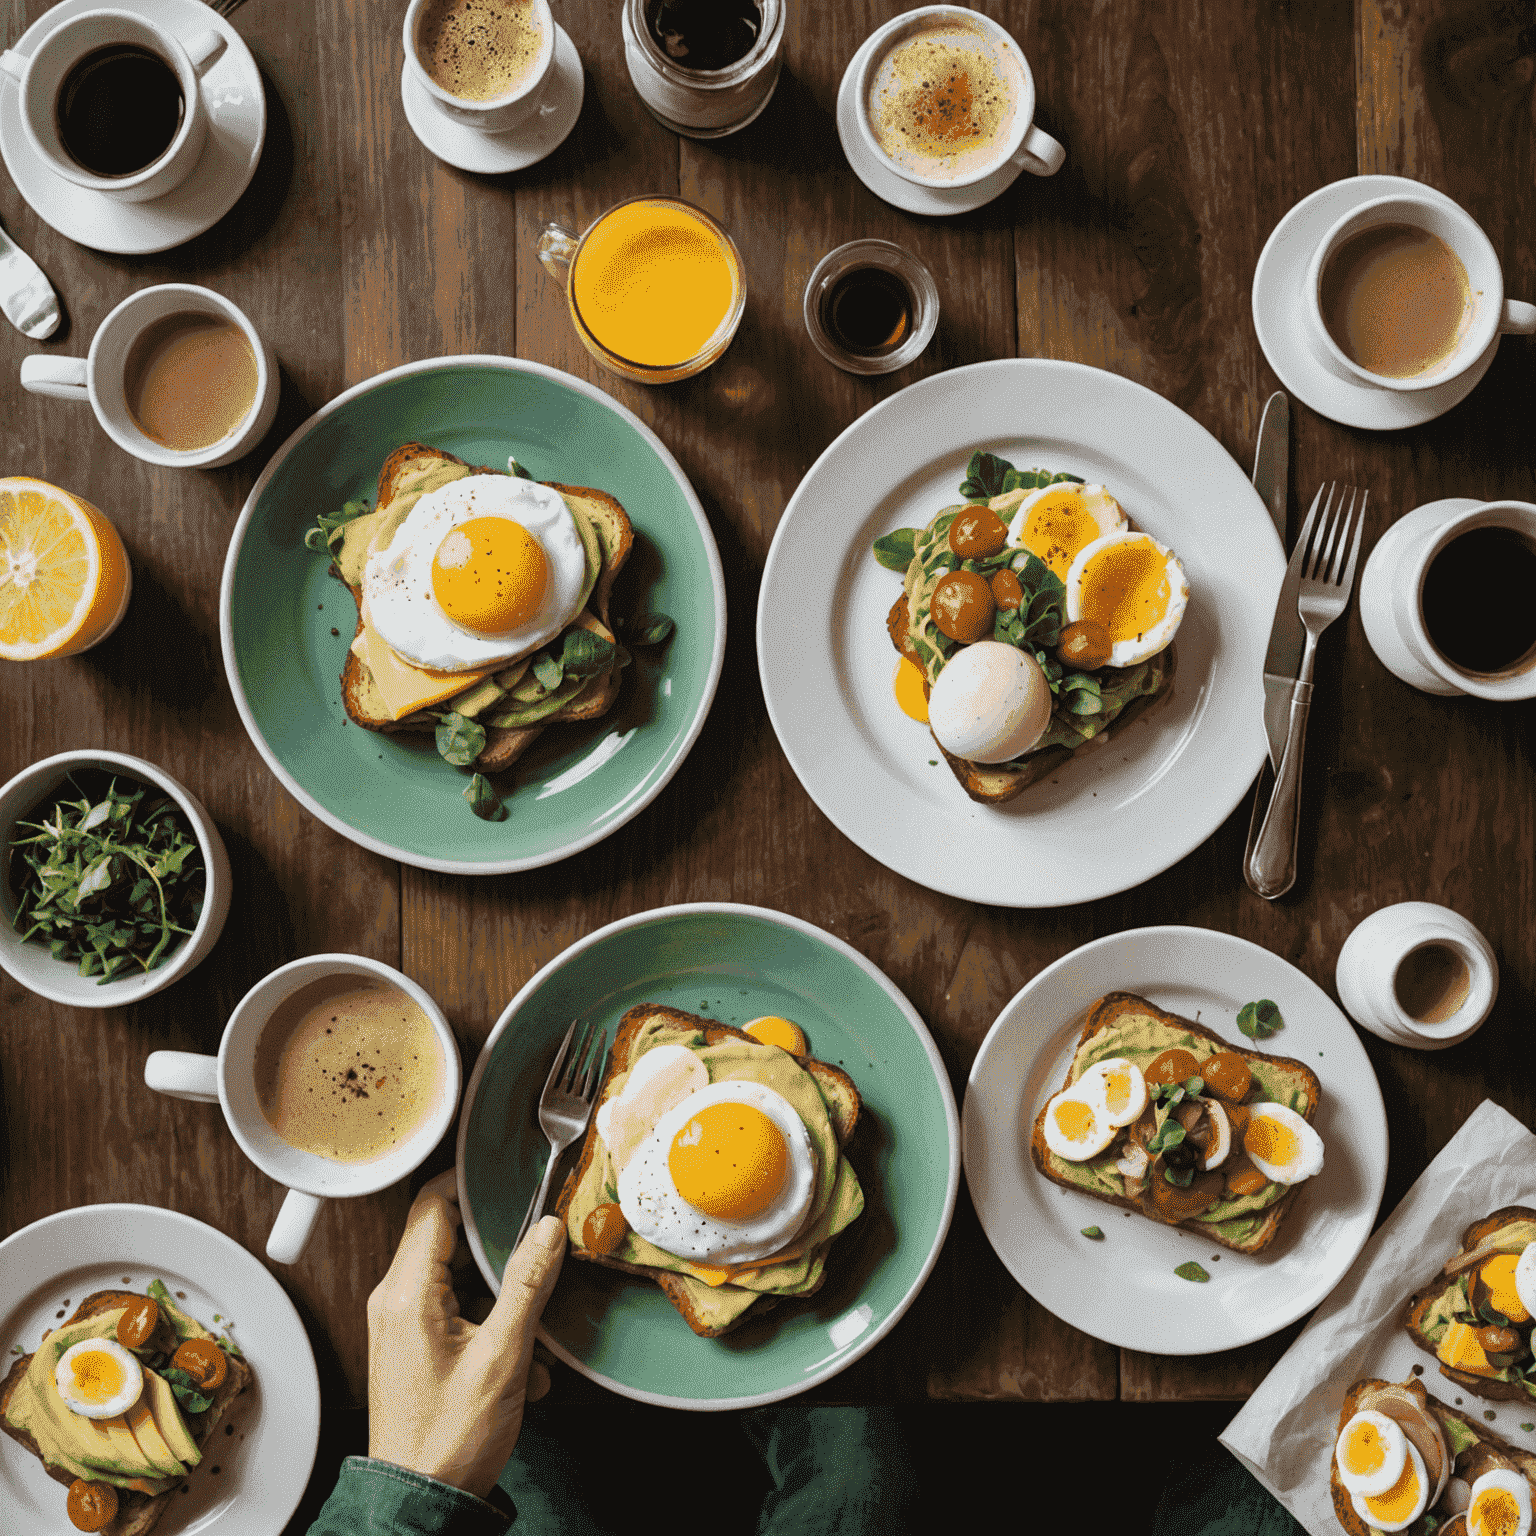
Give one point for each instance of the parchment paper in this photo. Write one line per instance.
(1285, 1432)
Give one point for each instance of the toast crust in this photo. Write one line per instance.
(137, 1512)
(843, 1109)
(1103, 1015)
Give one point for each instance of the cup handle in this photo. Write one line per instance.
(205, 50)
(183, 1075)
(14, 64)
(1040, 154)
(295, 1222)
(62, 377)
(1518, 319)
(556, 246)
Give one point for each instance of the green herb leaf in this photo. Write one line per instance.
(1528, 1427)
(1182, 1177)
(325, 536)
(650, 629)
(459, 741)
(1490, 1314)
(586, 654)
(514, 468)
(1169, 1134)
(985, 476)
(1259, 1020)
(1093, 1232)
(187, 1394)
(1192, 1271)
(895, 551)
(483, 800)
(1194, 1086)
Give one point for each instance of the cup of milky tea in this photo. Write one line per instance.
(945, 98)
(1405, 292)
(176, 374)
(482, 62)
(655, 287)
(337, 1075)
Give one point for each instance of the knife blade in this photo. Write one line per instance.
(1282, 661)
(27, 298)
(1272, 459)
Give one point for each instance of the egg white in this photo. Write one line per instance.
(1136, 1101)
(108, 1407)
(1157, 636)
(397, 581)
(1525, 1278)
(1376, 1521)
(1395, 1445)
(991, 703)
(1309, 1154)
(1513, 1484)
(655, 1210)
(1090, 1091)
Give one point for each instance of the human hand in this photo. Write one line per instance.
(445, 1397)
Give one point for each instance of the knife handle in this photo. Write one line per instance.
(1270, 868)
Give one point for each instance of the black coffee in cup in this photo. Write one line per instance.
(1476, 600)
(119, 109)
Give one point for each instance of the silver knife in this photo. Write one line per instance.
(26, 296)
(1282, 661)
(1272, 460)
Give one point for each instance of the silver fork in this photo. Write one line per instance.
(224, 7)
(1327, 578)
(565, 1105)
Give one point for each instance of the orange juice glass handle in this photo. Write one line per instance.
(557, 245)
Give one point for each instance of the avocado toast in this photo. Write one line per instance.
(1245, 1208)
(713, 1300)
(135, 1457)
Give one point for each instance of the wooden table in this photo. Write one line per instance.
(1190, 129)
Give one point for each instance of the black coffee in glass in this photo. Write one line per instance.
(868, 311)
(119, 109)
(703, 34)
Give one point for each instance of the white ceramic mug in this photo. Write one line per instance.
(229, 1080)
(1373, 956)
(1492, 314)
(1029, 147)
(98, 377)
(498, 114)
(39, 78)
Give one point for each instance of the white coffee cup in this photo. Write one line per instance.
(1370, 970)
(498, 114)
(99, 377)
(1030, 148)
(40, 76)
(1491, 313)
(229, 1080)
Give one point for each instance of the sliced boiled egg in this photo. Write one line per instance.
(1221, 1136)
(1500, 1505)
(991, 703)
(1372, 1451)
(99, 1379)
(1281, 1145)
(1125, 1089)
(1057, 521)
(1525, 1280)
(1403, 1502)
(1135, 588)
(1076, 1124)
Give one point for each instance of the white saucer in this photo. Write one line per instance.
(1278, 300)
(1376, 594)
(897, 190)
(237, 125)
(488, 154)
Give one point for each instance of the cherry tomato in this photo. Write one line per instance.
(203, 1361)
(1006, 591)
(137, 1323)
(1242, 1178)
(976, 533)
(1085, 645)
(604, 1229)
(1496, 1340)
(1227, 1074)
(962, 607)
(1173, 1066)
(91, 1506)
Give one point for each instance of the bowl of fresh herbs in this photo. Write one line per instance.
(114, 881)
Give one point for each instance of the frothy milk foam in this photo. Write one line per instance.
(479, 49)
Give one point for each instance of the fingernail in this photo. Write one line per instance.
(550, 1232)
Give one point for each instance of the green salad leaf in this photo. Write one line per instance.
(988, 475)
(516, 468)
(1093, 1232)
(325, 536)
(1259, 1020)
(895, 550)
(650, 629)
(482, 799)
(1193, 1271)
(187, 1394)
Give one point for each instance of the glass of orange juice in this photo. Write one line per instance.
(656, 287)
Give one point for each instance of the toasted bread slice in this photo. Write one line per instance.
(1475, 1238)
(837, 1090)
(137, 1512)
(1117, 1008)
(504, 745)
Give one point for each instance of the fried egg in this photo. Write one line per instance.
(99, 1379)
(1057, 521)
(1135, 588)
(1372, 1451)
(664, 1076)
(991, 703)
(1525, 1279)
(1501, 1505)
(726, 1177)
(1125, 1089)
(1281, 1145)
(482, 570)
(1403, 1502)
(1077, 1121)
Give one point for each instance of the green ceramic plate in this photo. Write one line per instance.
(731, 963)
(285, 624)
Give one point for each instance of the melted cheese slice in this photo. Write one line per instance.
(405, 687)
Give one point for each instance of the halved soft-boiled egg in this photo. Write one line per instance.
(1500, 1506)
(1133, 586)
(1125, 1089)
(99, 1379)
(1372, 1451)
(1077, 1125)
(1524, 1281)
(991, 703)
(1057, 521)
(1402, 1503)
(1281, 1145)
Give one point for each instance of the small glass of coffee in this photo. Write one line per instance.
(870, 307)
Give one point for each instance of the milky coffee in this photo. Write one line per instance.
(942, 100)
(479, 50)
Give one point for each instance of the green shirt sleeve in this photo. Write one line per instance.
(376, 1498)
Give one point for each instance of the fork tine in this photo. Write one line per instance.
(1322, 543)
(595, 1065)
(1306, 527)
(1347, 581)
(1336, 555)
(573, 1067)
(552, 1081)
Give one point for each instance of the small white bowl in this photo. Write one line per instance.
(31, 964)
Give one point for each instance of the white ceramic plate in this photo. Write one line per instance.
(53, 1265)
(1114, 815)
(1123, 1289)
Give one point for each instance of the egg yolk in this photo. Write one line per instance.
(1075, 1119)
(1364, 1449)
(97, 1376)
(772, 1029)
(1117, 1089)
(1494, 1512)
(1400, 1500)
(908, 684)
(1057, 528)
(1271, 1142)
(489, 574)
(1126, 588)
(729, 1160)
(1498, 1275)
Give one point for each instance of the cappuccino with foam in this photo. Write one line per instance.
(479, 50)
